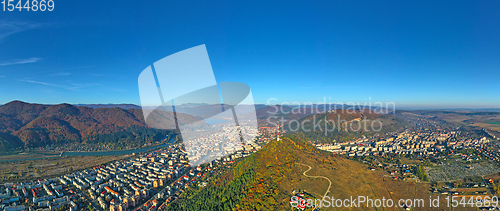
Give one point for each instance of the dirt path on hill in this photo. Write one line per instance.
(328, 190)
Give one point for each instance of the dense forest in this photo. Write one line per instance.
(25, 125)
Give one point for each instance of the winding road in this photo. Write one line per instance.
(328, 190)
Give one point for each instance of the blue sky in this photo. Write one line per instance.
(424, 54)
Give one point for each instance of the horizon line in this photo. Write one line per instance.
(406, 107)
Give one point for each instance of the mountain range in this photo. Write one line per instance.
(35, 125)
(28, 125)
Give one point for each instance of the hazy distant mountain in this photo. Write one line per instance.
(124, 106)
(472, 109)
(33, 125)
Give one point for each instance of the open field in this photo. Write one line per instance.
(493, 122)
(494, 127)
(489, 120)
(30, 155)
(28, 170)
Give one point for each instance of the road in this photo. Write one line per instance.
(328, 190)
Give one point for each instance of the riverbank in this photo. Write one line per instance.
(53, 154)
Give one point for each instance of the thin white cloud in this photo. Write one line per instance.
(42, 83)
(84, 85)
(60, 74)
(321, 87)
(74, 86)
(8, 28)
(1, 76)
(20, 61)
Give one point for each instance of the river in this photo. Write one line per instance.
(102, 153)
